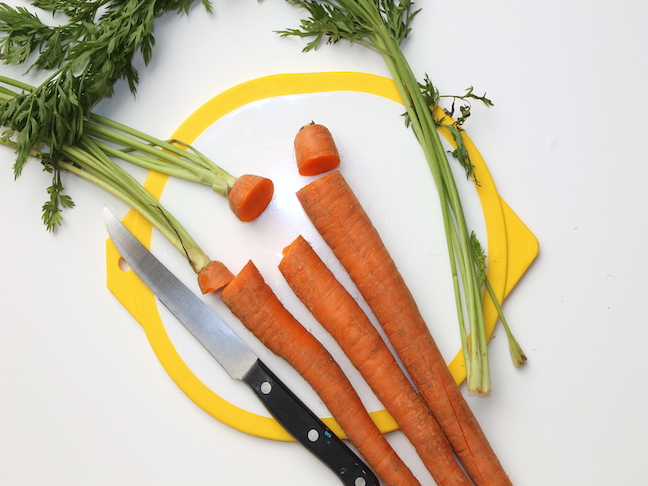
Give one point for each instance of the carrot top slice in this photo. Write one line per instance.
(214, 277)
(250, 196)
(315, 150)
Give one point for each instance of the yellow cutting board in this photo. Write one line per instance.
(511, 247)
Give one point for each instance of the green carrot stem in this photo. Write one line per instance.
(189, 170)
(517, 354)
(163, 156)
(156, 164)
(104, 173)
(478, 374)
(16, 83)
(115, 126)
(220, 180)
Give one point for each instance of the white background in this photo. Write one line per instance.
(83, 400)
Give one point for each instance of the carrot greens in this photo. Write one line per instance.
(87, 49)
(382, 25)
(92, 165)
(93, 47)
(111, 139)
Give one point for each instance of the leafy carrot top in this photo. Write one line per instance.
(87, 54)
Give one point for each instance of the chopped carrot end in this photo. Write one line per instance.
(286, 249)
(315, 150)
(214, 277)
(250, 196)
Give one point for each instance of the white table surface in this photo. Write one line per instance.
(83, 400)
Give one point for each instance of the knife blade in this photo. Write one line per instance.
(238, 359)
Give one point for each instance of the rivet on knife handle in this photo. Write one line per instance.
(307, 429)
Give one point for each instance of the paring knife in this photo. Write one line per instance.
(238, 359)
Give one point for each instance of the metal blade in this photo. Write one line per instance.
(221, 342)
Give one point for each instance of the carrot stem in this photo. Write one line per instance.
(517, 354)
(191, 167)
(159, 165)
(91, 164)
(176, 159)
(478, 374)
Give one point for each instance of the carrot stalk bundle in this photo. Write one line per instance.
(103, 138)
(257, 307)
(315, 150)
(339, 313)
(338, 216)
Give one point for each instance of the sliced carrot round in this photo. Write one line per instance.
(315, 150)
(214, 277)
(249, 196)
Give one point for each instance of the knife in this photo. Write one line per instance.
(238, 359)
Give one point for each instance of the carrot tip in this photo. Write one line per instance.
(214, 277)
(250, 196)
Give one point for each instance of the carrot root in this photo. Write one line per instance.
(214, 277)
(250, 196)
(339, 313)
(315, 150)
(257, 307)
(338, 216)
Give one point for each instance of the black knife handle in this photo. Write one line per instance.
(307, 429)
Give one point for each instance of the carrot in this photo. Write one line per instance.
(249, 196)
(214, 277)
(338, 216)
(257, 307)
(315, 150)
(339, 313)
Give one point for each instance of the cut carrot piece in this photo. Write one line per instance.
(214, 277)
(258, 308)
(339, 313)
(338, 216)
(250, 196)
(315, 150)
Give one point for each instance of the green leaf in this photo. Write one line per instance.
(89, 52)
(53, 207)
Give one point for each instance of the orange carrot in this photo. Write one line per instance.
(213, 277)
(336, 213)
(249, 196)
(257, 307)
(339, 313)
(315, 150)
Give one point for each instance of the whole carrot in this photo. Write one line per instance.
(338, 216)
(339, 313)
(315, 150)
(258, 308)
